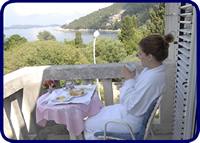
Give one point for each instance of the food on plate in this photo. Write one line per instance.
(76, 92)
(61, 97)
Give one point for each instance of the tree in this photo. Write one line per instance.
(135, 21)
(126, 32)
(45, 35)
(131, 58)
(78, 39)
(108, 49)
(131, 46)
(72, 42)
(13, 41)
(156, 24)
(39, 53)
(4, 40)
(117, 25)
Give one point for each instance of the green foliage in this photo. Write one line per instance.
(69, 42)
(156, 24)
(140, 10)
(108, 49)
(45, 35)
(114, 26)
(134, 21)
(77, 42)
(13, 41)
(99, 19)
(62, 83)
(95, 20)
(130, 46)
(4, 38)
(117, 25)
(142, 17)
(130, 35)
(42, 53)
(131, 58)
(137, 35)
(102, 95)
(127, 31)
(74, 52)
(156, 115)
(78, 39)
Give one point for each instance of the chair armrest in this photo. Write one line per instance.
(120, 122)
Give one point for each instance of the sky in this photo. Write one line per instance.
(47, 13)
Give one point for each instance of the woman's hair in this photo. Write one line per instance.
(157, 45)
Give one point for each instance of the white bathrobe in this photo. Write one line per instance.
(135, 97)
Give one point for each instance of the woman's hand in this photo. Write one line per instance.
(127, 73)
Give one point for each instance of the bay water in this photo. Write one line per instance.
(31, 34)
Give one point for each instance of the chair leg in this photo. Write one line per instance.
(152, 134)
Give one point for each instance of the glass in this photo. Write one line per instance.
(69, 85)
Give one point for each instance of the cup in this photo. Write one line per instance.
(131, 66)
(69, 85)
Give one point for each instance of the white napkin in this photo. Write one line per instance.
(54, 95)
(85, 98)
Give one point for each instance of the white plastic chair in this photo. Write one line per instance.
(144, 131)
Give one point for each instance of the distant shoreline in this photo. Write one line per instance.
(31, 34)
(86, 30)
(58, 28)
(28, 26)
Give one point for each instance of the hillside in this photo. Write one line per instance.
(104, 18)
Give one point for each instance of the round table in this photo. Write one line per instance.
(72, 114)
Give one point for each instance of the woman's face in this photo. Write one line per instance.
(144, 58)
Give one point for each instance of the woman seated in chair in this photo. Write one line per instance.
(138, 91)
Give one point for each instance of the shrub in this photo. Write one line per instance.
(42, 53)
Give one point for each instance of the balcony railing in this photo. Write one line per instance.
(23, 87)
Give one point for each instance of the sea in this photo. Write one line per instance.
(31, 34)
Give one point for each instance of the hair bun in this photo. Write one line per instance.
(168, 38)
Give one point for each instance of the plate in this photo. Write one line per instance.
(57, 99)
(77, 91)
(61, 97)
(64, 98)
(85, 92)
(68, 97)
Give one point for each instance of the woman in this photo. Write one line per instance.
(138, 91)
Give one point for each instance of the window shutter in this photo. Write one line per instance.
(184, 116)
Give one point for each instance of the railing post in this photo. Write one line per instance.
(7, 122)
(108, 91)
(57, 82)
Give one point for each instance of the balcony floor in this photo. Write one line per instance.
(59, 132)
(66, 137)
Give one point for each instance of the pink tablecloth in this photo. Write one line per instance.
(71, 115)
